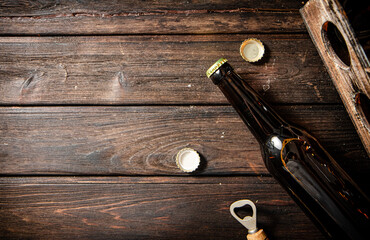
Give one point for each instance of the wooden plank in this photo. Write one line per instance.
(39, 8)
(155, 69)
(145, 140)
(348, 65)
(149, 17)
(170, 208)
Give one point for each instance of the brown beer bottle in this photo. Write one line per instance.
(298, 162)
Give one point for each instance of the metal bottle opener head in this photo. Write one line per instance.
(250, 222)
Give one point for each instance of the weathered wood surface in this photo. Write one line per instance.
(153, 17)
(351, 77)
(144, 208)
(145, 140)
(155, 69)
(178, 107)
(40, 7)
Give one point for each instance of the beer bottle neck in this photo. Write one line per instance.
(256, 114)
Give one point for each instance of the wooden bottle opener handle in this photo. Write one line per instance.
(259, 235)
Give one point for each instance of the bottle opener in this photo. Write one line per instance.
(250, 222)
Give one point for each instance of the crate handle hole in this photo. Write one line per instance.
(363, 107)
(335, 43)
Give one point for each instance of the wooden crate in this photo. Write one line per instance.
(347, 63)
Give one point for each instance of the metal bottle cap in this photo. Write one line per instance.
(252, 50)
(215, 66)
(187, 159)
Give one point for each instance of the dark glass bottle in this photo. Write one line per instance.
(298, 162)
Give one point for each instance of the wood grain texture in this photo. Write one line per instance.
(145, 140)
(350, 78)
(149, 208)
(155, 69)
(149, 17)
(108, 171)
(45, 7)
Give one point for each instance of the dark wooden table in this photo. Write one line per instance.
(97, 97)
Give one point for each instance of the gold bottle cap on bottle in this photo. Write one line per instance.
(187, 159)
(252, 50)
(215, 66)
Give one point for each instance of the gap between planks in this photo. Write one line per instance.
(222, 179)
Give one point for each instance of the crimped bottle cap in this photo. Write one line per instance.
(252, 50)
(215, 66)
(187, 159)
